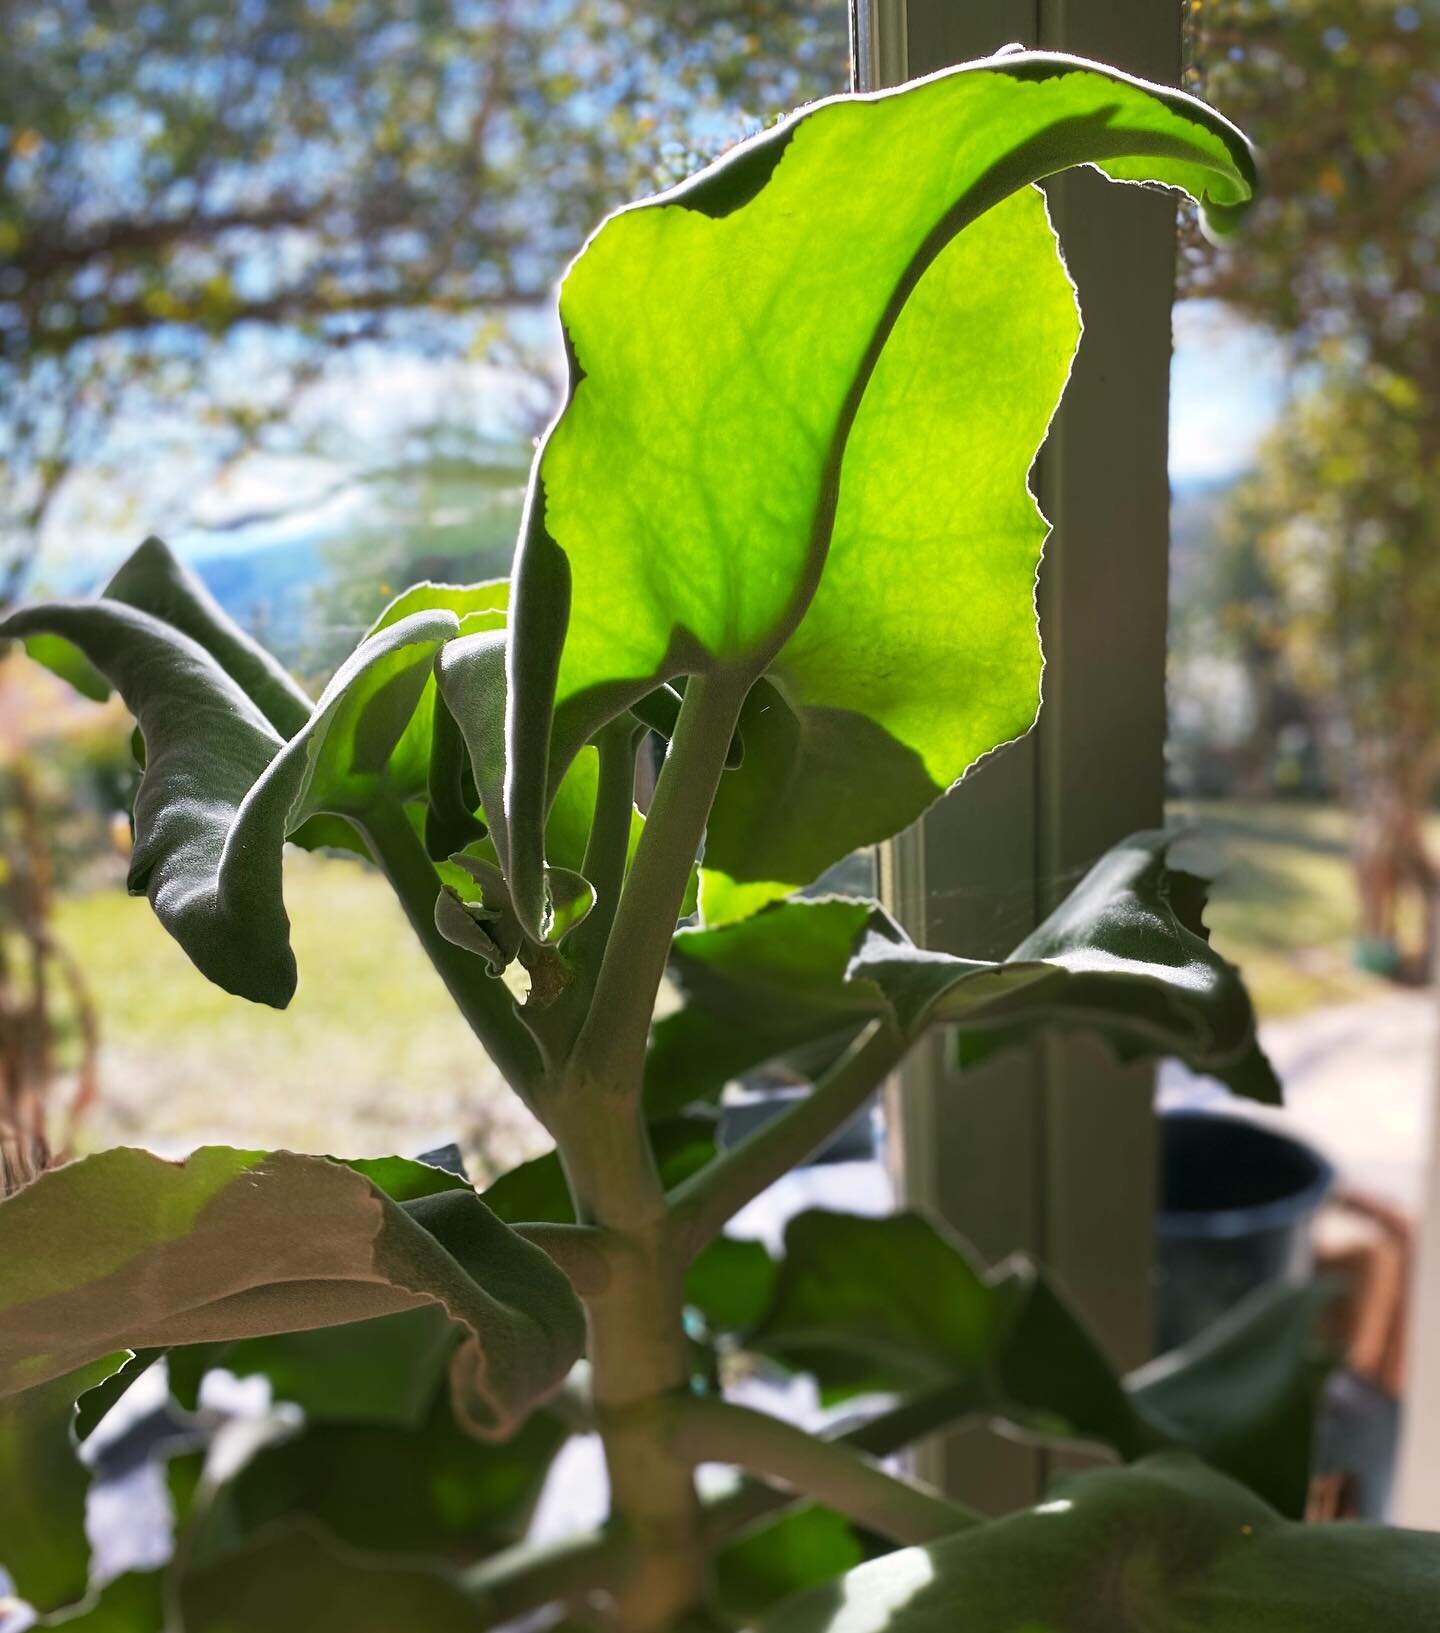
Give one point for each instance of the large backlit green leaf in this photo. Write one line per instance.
(739, 483)
(126, 1250)
(1165, 1547)
(221, 790)
(43, 1548)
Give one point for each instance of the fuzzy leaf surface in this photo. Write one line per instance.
(222, 789)
(126, 1250)
(1167, 1546)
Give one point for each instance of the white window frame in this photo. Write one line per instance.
(1052, 1149)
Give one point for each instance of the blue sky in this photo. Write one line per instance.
(1227, 383)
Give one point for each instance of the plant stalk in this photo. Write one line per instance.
(485, 1002)
(522, 1579)
(609, 1052)
(639, 1355)
(716, 1431)
(702, 1204)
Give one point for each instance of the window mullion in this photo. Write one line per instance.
(1051, 1149)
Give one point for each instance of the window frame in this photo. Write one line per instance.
(1051, 1149)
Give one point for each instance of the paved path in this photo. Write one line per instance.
(1360, 1081)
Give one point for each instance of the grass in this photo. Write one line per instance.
(370, 1057)
(1284, 906)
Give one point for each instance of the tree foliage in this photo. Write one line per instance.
(202, 205)
(1341, 254)
(1333, 537)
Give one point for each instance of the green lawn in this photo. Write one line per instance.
(369, 1058)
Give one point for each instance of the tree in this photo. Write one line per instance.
(204, 206)
(1340, 254)
(1342, 257)
(1344, 513)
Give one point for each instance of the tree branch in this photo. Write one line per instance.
(42, 256)
(292, 307)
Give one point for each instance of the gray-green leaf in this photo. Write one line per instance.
(124, 1250)
(222, 790)
(43, 1548)
(1165, 1547)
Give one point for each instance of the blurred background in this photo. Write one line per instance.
(274, 283)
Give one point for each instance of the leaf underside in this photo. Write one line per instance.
(124, 1250)
(812, 467)
(1125, 956)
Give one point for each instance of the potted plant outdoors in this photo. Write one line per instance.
(782, 519)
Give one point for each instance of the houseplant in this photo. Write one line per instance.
(782, 521)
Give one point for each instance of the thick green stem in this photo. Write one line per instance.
(609, 1053)
(485, 1002)
(638, 1355)
(714, 1431)
(702, 1204)
(522, 1579)
(608, 847)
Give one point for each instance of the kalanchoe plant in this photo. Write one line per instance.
(782, 520)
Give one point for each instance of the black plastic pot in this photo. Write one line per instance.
(1236, 1201)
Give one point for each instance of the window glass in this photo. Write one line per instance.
(275, 283)
(1304, 689)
